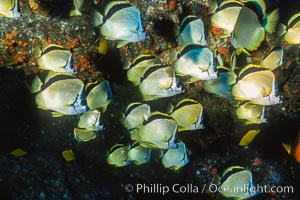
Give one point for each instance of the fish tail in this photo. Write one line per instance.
(272, 21)
(97, 19)
(281, 30)
(75, 12)
(36, 85)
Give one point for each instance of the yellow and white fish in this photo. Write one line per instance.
(291, 32)
(176, 158)
(137, 68)
(226, 15)
(257, 85)
(91, 120)
(191, 31)
(57, 59)
(138, 154)
(10, 8)
(121, 21)
(60, 92)
(237, 177)
(158, 82)
(135, 115)
(98, 95)
(117, 155)
(188, 115)
(253, 113)
(196, 62)
(158, 131)
(251, 26)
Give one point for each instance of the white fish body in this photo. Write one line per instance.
(191, 31)
(197, 62)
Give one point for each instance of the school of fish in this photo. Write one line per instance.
(152, 132)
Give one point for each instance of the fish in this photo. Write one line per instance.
(248, 137)
(176, 158)
(139, 154)
(251, 26)
(78, 6)
(137, 68)
(248, 33)
(196, 62)
(240, 178)
(158, 131)
(158, 82)
(121, 21)
(117, 155)
(84, 135)
(68, 155)
(273, 59)
(10, 9)
(188, 114)
(221, 86)
(226, 15)
(62, 93)
(135, 115)
(252, 113)
(18, 153)
(257, 85)
(98, 95)
(291, 31)
(91, 120)
(294, 148)
(56, 58)
(191, 31)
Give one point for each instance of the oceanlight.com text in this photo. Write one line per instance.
(157, 188)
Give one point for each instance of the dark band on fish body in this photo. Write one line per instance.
(222, 69)
(141, 59)
(114, 9)
(229, 5)
(189, 48)
(186, 22)
(135, 144)
(155, 117)
(230, 173)
(185, 103)
(56, 78)
(151, 70)
(255, 7)
(131, 108)
(249, 71)
(297, 19)
(52, 48)
(91, 86)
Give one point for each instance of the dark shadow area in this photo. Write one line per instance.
(165, 28)
(57, 8)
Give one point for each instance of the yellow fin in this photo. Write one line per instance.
(271, 21)
(56, 114)
(68, 155)
(103, 46)
(18, 153)
(287, 147)
(248, 137)
(75, 12)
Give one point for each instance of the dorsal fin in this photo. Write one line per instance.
(52, 48)
(189, 48)
(187, 21)
(115, 8)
